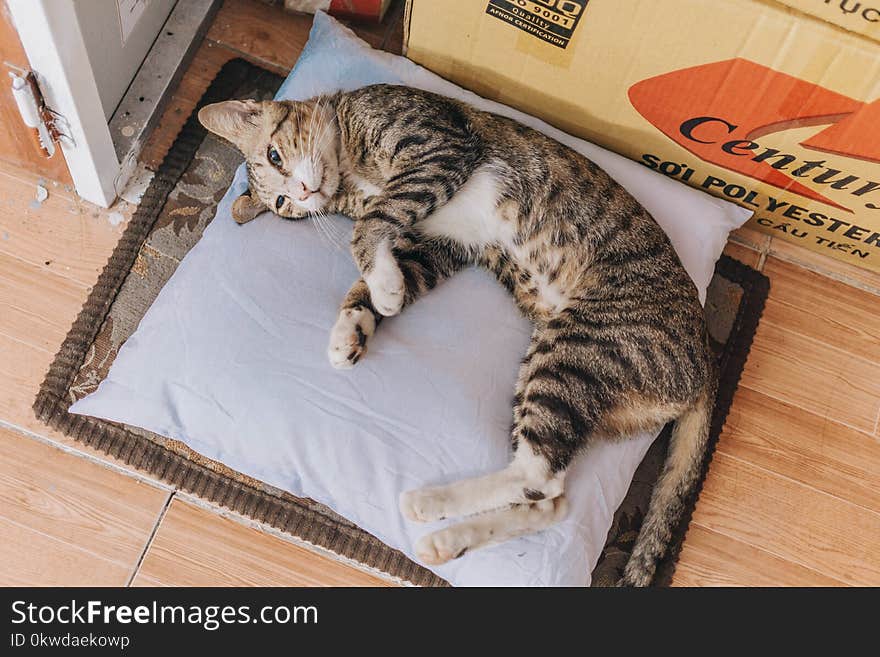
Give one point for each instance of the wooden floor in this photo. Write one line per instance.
(792, 498)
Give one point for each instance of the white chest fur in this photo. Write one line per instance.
(471, 217)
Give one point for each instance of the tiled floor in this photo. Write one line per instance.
(791, 498)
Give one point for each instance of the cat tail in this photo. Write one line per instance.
(678, 480)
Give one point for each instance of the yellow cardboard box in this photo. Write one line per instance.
(774, 104)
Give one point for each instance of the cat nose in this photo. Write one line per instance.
(305, 192)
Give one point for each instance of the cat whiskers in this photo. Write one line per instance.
(337, 235)
(317, 144)
(327, 230)
(310, 150)
(299, 122)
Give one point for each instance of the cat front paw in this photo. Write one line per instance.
(425, 504)
(348, 338)
(444, 545)
(386, 283)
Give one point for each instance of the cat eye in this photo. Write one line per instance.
(273, 156)
(279, 202)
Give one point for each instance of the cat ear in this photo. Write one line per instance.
(245, 208)
(237, 121)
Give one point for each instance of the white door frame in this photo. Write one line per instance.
(51, 36)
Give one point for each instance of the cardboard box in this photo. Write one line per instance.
(772, 104)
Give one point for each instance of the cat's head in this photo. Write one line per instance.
(292, 152)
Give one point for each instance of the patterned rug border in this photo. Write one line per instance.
(51, 403)
(756, 289)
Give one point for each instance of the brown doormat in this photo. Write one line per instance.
(179, 203)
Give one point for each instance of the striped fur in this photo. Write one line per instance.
(619, 345)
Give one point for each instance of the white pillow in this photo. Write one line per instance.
(230, 358)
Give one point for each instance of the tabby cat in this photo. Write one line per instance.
(433, 185)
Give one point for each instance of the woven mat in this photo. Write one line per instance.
(176, 208)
